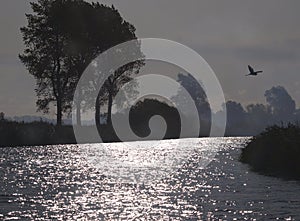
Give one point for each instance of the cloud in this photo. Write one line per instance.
(264, 54)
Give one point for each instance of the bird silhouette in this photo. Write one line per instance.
(252, 72)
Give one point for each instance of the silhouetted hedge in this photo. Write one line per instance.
(275, 152)
(35, 133)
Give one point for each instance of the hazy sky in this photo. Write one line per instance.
(228, 34)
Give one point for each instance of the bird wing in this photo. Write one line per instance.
(250, 69)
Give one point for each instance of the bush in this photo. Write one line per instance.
(275, 152)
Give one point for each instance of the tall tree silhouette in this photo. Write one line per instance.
(100, 28)
(44, 56)
(62, 37)
(282, 104)
(197, 93)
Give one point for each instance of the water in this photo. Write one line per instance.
(60, 183)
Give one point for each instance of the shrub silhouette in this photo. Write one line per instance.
(139, 117)
(143, 111)
(275, 152)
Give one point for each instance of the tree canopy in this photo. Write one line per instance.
(61, 38)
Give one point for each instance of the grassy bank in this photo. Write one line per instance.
(275, 152)
(42, 133)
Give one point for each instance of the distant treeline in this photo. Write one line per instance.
(252, 120)
(279, 109)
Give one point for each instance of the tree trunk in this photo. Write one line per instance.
(78, 108)
(59, 112)
(78, 115)
(59, 95)
(110, 101)
(97, 113)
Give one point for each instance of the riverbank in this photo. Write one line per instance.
(39, 133)
(33, 134)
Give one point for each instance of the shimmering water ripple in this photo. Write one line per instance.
(58, 183)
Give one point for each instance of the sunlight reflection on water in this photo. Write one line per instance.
(58, 182)
(146, 162)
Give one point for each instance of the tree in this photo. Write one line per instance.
(80, 46)
(197, 93)
(236, 118)
(2, 116)
(106, 28)
(282, 105)
(113, 84)
(45, 58)
(62, 38)
(118, 31)
(92, 29)
(259, 116)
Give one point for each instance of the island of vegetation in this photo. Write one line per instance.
(275, 152)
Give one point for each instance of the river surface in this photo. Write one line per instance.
(81, 182)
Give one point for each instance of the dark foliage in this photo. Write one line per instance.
(279, 107)
(61, 38)
(143, 111)
(139, 119)
(275, 152)
(35, 133)
(197, 93)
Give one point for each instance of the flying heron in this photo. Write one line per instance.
(252, 72)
